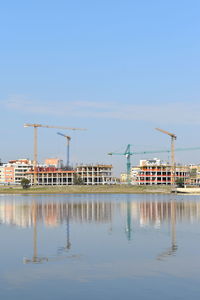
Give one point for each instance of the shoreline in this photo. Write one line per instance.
(106, 189)
(95, 189)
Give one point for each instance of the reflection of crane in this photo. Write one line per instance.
(36, 258)
(68, 243)
(68, 141)
(128, 219)
(128, 154)
(173, 138)
(35, 126)
(172, 250)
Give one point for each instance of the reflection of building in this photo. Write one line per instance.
(54, 213)
(153, 213)
(90, 175)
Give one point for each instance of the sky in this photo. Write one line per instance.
(117, 68)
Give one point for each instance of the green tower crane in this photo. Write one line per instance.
(128, 154)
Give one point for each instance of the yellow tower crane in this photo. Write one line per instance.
(35, 126)
(173, 138)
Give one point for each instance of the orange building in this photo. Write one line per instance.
(9, 174)
(53, 162)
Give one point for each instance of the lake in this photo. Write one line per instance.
(99, 246)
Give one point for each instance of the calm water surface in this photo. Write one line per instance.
(99, 247)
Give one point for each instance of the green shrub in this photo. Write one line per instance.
(25, 183)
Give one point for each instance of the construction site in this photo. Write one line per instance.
(56, 173)
(156, 172)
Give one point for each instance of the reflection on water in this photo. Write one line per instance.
(52, 212)
(172, 250)
(123, 238)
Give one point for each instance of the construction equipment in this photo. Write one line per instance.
(173, 138)
(128, 154)
(35, 126)
(68, 141)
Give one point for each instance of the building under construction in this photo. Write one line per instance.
(87, 175)
(156, 172)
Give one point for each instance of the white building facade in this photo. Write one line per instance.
(13, 171)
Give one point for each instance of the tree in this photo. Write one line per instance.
(78, 180)
(193, 173)
(25, 183)
(180, 182)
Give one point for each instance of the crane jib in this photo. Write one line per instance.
(154, 151)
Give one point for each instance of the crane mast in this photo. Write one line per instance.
(173, 166)
(128, 163)
(35, 126)
(68, 142)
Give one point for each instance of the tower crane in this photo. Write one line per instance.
(35, 126)
(128, 154)
(68, 141)
(173, 138)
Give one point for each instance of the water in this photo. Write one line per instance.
(99, 247)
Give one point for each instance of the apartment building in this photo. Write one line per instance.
(2, 174)
(21, 166)
(54, 162)
(13, 171)
(9, 174)
(194, 175)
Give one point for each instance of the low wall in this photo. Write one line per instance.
(189, 190)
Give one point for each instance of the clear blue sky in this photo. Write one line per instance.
(118, 68)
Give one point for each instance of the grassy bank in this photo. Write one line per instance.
(112, 189)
